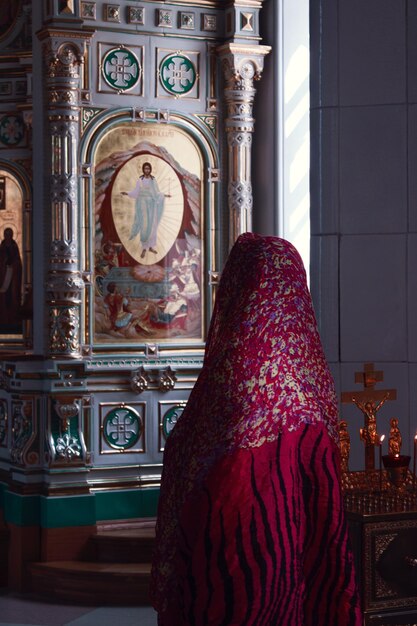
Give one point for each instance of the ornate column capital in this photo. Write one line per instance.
(242, 62)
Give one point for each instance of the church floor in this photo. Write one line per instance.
(25, 610)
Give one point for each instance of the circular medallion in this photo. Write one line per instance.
(11, 130)
(177, 74)
(121, 69)
(122, 428)
(170, 418)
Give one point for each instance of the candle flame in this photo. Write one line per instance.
(415, 436)
(397, 456)
(381, 439)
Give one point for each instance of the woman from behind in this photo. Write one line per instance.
(251, 529)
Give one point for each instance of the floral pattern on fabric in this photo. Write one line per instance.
(264, 373)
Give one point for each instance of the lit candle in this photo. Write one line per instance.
(381, 439)
(414, 461)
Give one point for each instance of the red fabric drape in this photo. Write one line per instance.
(251, 529)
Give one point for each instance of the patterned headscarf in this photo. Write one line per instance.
(264, 372)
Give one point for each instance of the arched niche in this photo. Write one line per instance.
(15, 257)
(149, 205)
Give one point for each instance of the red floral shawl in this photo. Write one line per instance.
(264, 374)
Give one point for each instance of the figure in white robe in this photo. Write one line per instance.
(149, 209)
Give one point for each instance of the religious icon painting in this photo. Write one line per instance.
(11, 266)
(148, 244)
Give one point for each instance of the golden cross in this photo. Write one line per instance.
(369, 401)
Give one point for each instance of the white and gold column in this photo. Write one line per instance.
(242, 66)
(64, 53)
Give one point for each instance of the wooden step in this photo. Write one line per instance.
(132, 545)
(92, 583)
(117, 570)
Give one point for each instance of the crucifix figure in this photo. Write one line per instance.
(369, 401)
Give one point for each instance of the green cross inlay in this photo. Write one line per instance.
(170, 418)
(177, 74)
(122, 428)
(121, 69)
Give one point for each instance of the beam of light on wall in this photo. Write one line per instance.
(299, 166)
(298, 71)
(295, 118)
(295, 125)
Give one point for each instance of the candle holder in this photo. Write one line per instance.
(397, 468)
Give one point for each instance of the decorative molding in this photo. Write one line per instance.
(65, 431)
(111, 13)
(24, 430)
(88, 114)
(64, 331)
(136, 15)
(186, 21)
(164, 18)
(242, 66)
(139, 380)
(88, 10)
(211, 122)
(209, 22)
(167, 380)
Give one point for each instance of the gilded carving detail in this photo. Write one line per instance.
(378, 536)
(112, 12)
(167, 380)
(209, 22)
(63, 188)
(63, 96)
(67, 447)
(22, 435)
(211, 122)
(240, 195)
(136, 15)
(239, 139)
(139, 380)
(63, 251)
(64, 330)
(88, 114)
(67, 441)
(164, 18)
(66, 410)
(65, 286)
(88, 10)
